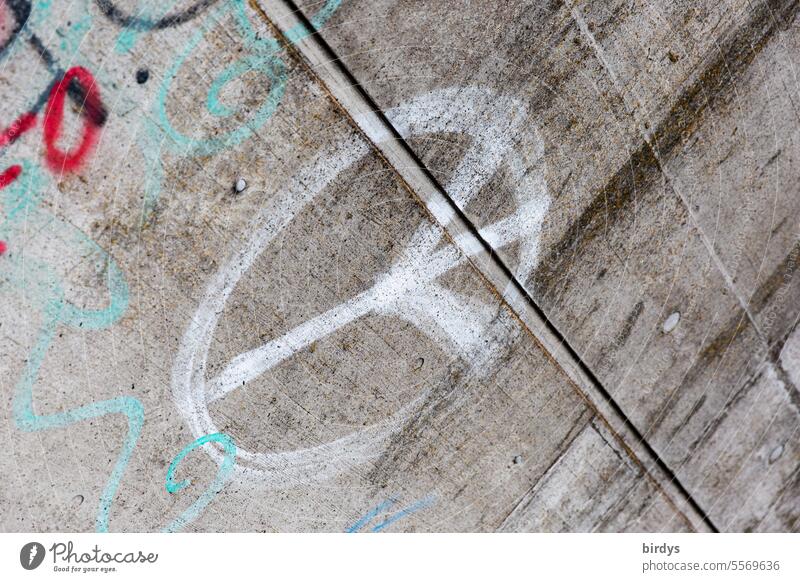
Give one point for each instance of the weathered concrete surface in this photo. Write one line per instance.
(668, 251)
(367, 375)
(574, 495)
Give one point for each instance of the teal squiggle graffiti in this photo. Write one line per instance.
(224, 471)
(265, 58)
(56, 312)
(42, 286)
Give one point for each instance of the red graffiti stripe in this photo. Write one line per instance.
(22, 124)
(9, 175)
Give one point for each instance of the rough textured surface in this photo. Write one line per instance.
(668, 132)
(230, 283)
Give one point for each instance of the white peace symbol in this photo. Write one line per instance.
(407, 290)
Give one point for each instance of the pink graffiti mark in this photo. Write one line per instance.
(23, 123)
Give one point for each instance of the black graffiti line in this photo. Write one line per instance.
(21, 11)
(118, 17)
(96, 112)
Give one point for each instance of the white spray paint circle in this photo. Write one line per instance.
(407, 290)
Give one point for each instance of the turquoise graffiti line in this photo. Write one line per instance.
(265, 58)
(384, 507)
(41, 286)
(130, 34)
(223, 473)
(73, 34)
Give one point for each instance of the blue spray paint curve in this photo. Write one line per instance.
(370, 515)
(385, 506)
(421, 504)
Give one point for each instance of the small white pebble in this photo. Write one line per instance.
(241, 184)
(775, 454)
(671, 322)
(518, 459)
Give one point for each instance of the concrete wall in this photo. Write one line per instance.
(390, 265)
